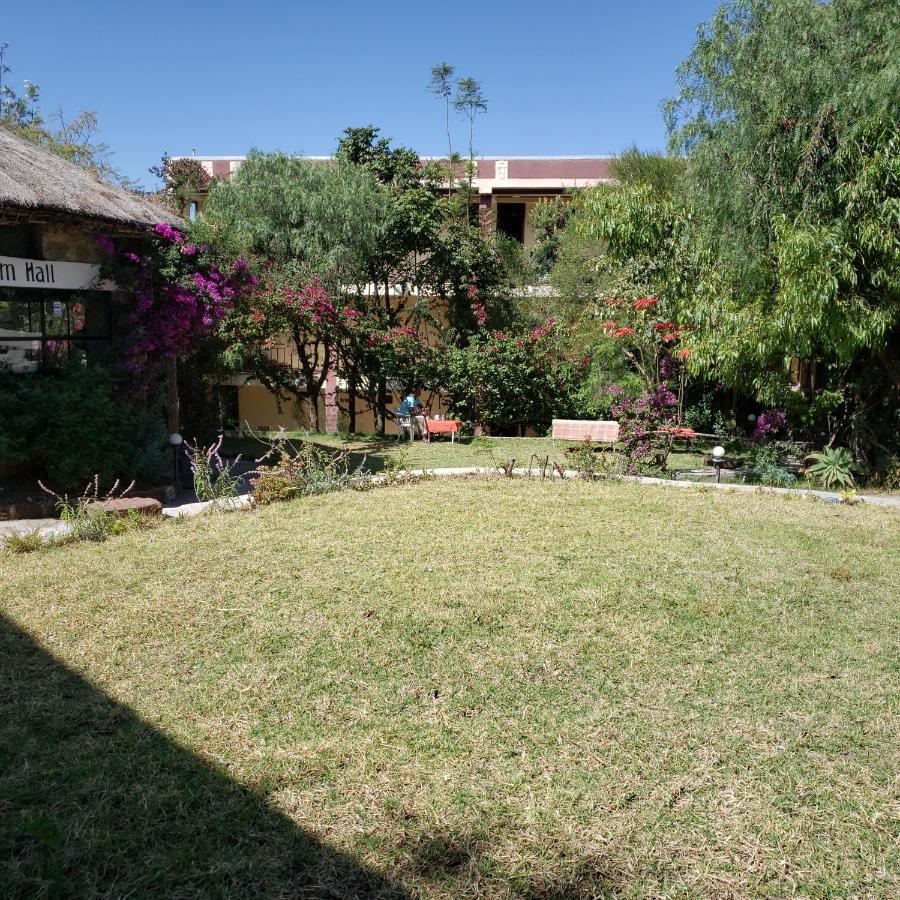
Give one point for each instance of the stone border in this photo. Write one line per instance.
(823, 496)
(245, 501)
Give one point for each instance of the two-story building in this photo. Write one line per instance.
(507, 187)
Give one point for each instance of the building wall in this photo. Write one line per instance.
(258, 408)
(69, 244)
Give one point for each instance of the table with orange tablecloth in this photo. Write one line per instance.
(443, 426)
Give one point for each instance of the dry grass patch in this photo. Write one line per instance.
(483, 688)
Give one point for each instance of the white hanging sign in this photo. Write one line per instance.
(51, 274)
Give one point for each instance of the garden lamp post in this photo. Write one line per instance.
(175, 442)
(718, 457)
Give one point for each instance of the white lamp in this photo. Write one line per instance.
(718, 452)
(175, 439)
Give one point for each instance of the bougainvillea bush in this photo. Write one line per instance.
(645, 425)
(180, 294)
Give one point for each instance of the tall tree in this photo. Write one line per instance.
(312, 229)
(469, 102)
(431, 260)
(441, 86)
(788, 113)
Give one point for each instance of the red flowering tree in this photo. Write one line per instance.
(649, 339)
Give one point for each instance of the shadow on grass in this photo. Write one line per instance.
(95, 802)
(458, 861)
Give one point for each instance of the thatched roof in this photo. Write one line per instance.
(32, 178)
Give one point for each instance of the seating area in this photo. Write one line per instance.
(428, 428)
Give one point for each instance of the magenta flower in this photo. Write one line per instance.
(105, 243)
(164, 230)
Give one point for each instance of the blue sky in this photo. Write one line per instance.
(561, 77)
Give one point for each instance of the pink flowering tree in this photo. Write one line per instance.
(290, 337)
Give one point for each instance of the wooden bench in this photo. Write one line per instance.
(596, 431)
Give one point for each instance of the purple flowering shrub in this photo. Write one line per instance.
(180, 296)
(214, 478)
(643, 424)
(768, 424)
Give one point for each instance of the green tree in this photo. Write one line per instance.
(73, 139)
(441, 86)
(430, 254)
(620, 272)
(787, 113)
(469, 102)
(301, 223)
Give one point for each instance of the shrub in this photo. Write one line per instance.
(28, 542)
(584, 459)
(214, 479)
(767, 462)
(889, 477)
(507, 381)
(302, 470)
(85, 516)
(642, 429)
(833, 467)
(76, 423)
(768, 423)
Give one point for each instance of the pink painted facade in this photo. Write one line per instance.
(588, 168)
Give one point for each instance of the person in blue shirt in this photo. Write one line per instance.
(412, 406)
(410, 402)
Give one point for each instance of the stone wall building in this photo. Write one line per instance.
(54, 309)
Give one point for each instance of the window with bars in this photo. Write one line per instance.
(46, 329)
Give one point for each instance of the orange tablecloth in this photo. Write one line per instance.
(679, 431)
(442, 426)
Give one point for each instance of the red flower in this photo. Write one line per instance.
(683, 354)
(621, 332)
(608, 326)
(645, 303)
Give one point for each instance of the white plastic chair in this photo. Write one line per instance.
(408, 424)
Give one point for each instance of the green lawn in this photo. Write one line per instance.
(486, 688)
(440, 453)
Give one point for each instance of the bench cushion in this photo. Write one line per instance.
(583, 429)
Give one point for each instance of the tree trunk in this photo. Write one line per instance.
(312, 402)
(381, 407)
(173, 407)
(351, 402)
